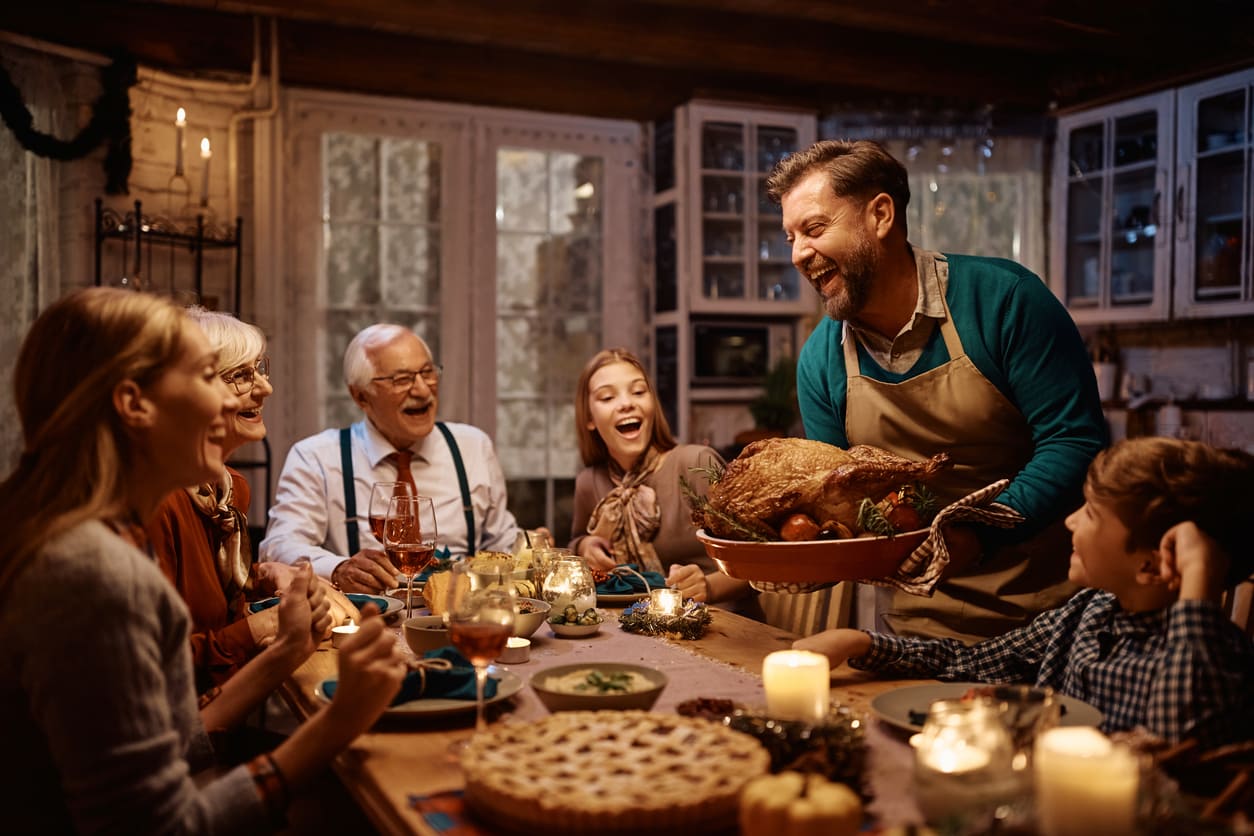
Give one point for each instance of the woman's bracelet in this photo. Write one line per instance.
(271, 786)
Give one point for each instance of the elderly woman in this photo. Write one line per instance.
(200, 537)
(120, 403)
(629, 505)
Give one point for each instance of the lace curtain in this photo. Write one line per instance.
(30, 223)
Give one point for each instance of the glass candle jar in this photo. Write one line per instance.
(569, 581)
(962, 762)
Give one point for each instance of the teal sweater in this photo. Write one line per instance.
(1023, 340)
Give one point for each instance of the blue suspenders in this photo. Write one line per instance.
(350, 495)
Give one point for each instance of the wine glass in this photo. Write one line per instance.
(409, 535)
(480, 613)
(380, 494)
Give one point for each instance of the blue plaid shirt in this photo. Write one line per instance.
(1185, 671)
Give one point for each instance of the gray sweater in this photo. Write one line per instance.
(98, 709)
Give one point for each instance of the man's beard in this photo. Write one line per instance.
(853, 288)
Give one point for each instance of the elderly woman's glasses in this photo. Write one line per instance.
(243, 380)
(404, 381)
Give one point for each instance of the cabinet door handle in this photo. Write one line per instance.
(1158, 204)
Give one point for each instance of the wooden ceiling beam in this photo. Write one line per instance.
(676, 37)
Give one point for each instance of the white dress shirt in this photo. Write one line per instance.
(307, 519)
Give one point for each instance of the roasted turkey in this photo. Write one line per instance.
(775, 478)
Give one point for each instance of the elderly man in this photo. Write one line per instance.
(923, 353)
(392, 377)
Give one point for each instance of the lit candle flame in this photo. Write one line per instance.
(181, 118)
(204, 147)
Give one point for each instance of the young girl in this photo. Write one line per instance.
(629, 506)
(120, 403)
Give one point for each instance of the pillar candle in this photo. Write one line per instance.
(205, 154)
(798, 685)
(180, 127)
(1084, 783)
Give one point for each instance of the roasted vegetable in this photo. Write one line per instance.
(793, 804)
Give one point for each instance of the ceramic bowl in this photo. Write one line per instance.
(526, 623)
(594, 701)
(425, 632)
(574, 631)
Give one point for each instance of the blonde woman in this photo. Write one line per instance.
(120, 402)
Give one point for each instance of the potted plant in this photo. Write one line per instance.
(775, 410)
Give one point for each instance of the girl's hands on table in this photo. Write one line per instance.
(690, 580)
(597, 553)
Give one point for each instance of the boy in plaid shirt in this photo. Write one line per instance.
(1157, 542)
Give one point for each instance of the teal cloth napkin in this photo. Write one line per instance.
(626, 583)
(457, 683)
(358, 600)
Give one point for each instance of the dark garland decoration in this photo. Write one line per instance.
(110, 122)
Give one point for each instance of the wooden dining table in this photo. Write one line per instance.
(404, 758)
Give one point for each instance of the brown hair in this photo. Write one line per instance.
(74, 454)
(860, 170)
(1152, 484)
(591, 446)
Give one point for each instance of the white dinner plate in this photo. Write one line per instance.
(622, 598)
(894, 707)
(508, 685)
(388, 607)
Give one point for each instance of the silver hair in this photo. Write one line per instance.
(358, 365)
(237, 343)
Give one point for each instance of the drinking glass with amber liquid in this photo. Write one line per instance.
(381, 494)
(409, 535)
(480, 613)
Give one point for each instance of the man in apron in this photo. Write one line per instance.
(924, 353)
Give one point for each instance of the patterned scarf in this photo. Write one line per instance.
(628, 516)
(234, 557)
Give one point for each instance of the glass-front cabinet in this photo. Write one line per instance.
(737, 259)
(1214, 201)
(1111, 258)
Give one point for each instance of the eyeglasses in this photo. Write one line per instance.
(243, 380)
(404, 381)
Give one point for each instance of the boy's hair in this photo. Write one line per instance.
(1152, 484)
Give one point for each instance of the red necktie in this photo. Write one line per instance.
(402, 459)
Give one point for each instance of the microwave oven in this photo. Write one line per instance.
(738, 353)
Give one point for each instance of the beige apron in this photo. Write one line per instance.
(955, 409)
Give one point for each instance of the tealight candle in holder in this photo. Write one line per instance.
(962, 761)
(517, 650)
(1084, 783)
(569, 581)
(797, 684)
(339, 634)
(664, 602)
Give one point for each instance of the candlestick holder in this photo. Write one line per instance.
(834, 746)
(689, 623)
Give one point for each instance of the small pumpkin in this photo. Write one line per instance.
(796, 804)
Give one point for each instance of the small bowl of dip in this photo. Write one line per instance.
(595, 686)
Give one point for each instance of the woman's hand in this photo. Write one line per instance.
(597, 552)
(371, 670)
(304, 616)
(837, 645)
(690, 580)
(273, 578)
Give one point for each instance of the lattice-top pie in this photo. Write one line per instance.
(611, 771)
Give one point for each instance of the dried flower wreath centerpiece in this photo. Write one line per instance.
(690, 622)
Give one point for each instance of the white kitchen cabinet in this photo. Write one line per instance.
(1112, 182)
(735, 259)
(719, 248)
(1214, 198)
